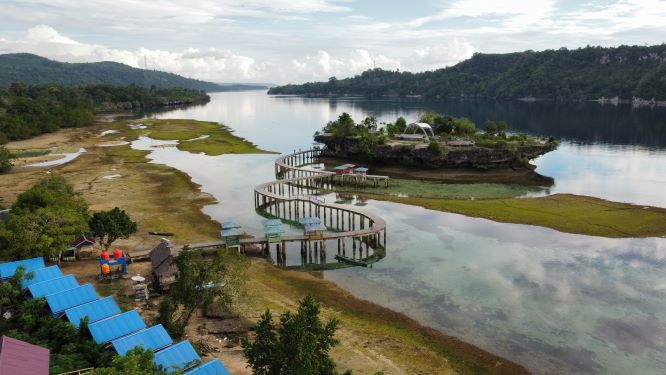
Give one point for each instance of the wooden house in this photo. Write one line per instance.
(361, 171)
(231, 233)
(163, 268)
(273, 230)
(344, 169)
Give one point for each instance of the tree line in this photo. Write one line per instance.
(580, 74)
(27, 111)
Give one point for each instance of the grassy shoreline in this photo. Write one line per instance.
(563, 212)
(161, 198)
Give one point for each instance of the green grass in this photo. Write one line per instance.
(563, 212)
(30, 153)
(430, 189)
(220, 140)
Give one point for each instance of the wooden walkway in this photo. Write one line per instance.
(293, 196)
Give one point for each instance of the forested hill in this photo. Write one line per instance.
(580, 74)
(35, 70)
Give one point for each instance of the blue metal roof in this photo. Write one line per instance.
(273, 230)
(47, 287)
(344, 166)
(8, 269)
(230, 232)
(213, 367)
(309, 220)
(230, 224)
(61, 301)
(361, 169)
(95, 311)
(116, 326)
(272, 222)
(153, 338)
(314, 227)
(178, 356)
(42, 274)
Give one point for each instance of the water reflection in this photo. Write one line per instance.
(558, 303)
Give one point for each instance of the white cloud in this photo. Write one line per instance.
(441, 55)
(210, 64)
(322, 65)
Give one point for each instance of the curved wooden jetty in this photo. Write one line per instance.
(295, 195)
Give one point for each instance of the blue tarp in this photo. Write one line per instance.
(178, 356)
(153, 338)
(213, 367)
(95, 311)
(47, 287)
(116, 326)
(8, 269)
(42, 274)
(61, 301)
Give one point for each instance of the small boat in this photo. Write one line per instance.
(355, 262)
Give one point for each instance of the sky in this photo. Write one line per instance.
(295, 41)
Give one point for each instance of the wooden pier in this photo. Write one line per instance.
(294, 195)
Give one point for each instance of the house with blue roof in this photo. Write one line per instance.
(153, 338)
(8, 269)
(47, 287)
(61, 301)
(179, 356)
(213, 367)
(41, 274)
(109, 329)
(94, 311)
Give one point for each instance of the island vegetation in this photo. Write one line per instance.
(27, 111)
(588, 73)
(454, 143)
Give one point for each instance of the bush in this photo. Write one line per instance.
(6, 160)
(435, 148)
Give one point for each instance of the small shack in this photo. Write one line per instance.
(344, 169)
(21, 358)
(361, 171)
(231, 233)
(312, 227)
(163, 268)
(273, 230)
(83, 243)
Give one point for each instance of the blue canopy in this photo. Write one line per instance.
(47, 287)
(229, 224)
(153, 338)
(116, 326)
(230, 232)
(61, 301)
(213, 367)
(272, 222)
(309, 220)
(95, 311)
(8, 269)
(42, 274)
(178, 356)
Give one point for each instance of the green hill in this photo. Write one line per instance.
(35, 70)
(580, 74)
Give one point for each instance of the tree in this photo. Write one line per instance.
(135, 362)
(201, 283)
(490, 127)
(109, 226)
(44, 220)
(465, 126)
(300, 344)
(345, 125)
(6, 160)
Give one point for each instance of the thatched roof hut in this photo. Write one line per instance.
(163, 267)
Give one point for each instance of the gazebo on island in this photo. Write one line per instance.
(231, 234)
(417, 131)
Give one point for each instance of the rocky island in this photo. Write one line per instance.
(435, 141)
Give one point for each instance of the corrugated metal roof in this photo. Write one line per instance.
(230, 232)
(309, 220)
(272, 222)
(8, 269)
(213, 367)
(95, 311)
(42, 274)
(20, 358)
(178, 356)
(53, 286)
(116, 326)
(153, 338)
(61, 301)
(230, 224)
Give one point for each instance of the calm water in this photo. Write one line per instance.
(555, 302)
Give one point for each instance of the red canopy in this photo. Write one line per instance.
(20, 358)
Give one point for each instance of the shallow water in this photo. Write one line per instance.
(555, 302)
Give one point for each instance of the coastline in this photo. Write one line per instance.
(163, 198)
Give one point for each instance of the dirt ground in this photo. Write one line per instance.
(162, 199)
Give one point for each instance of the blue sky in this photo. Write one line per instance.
(299, 40)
